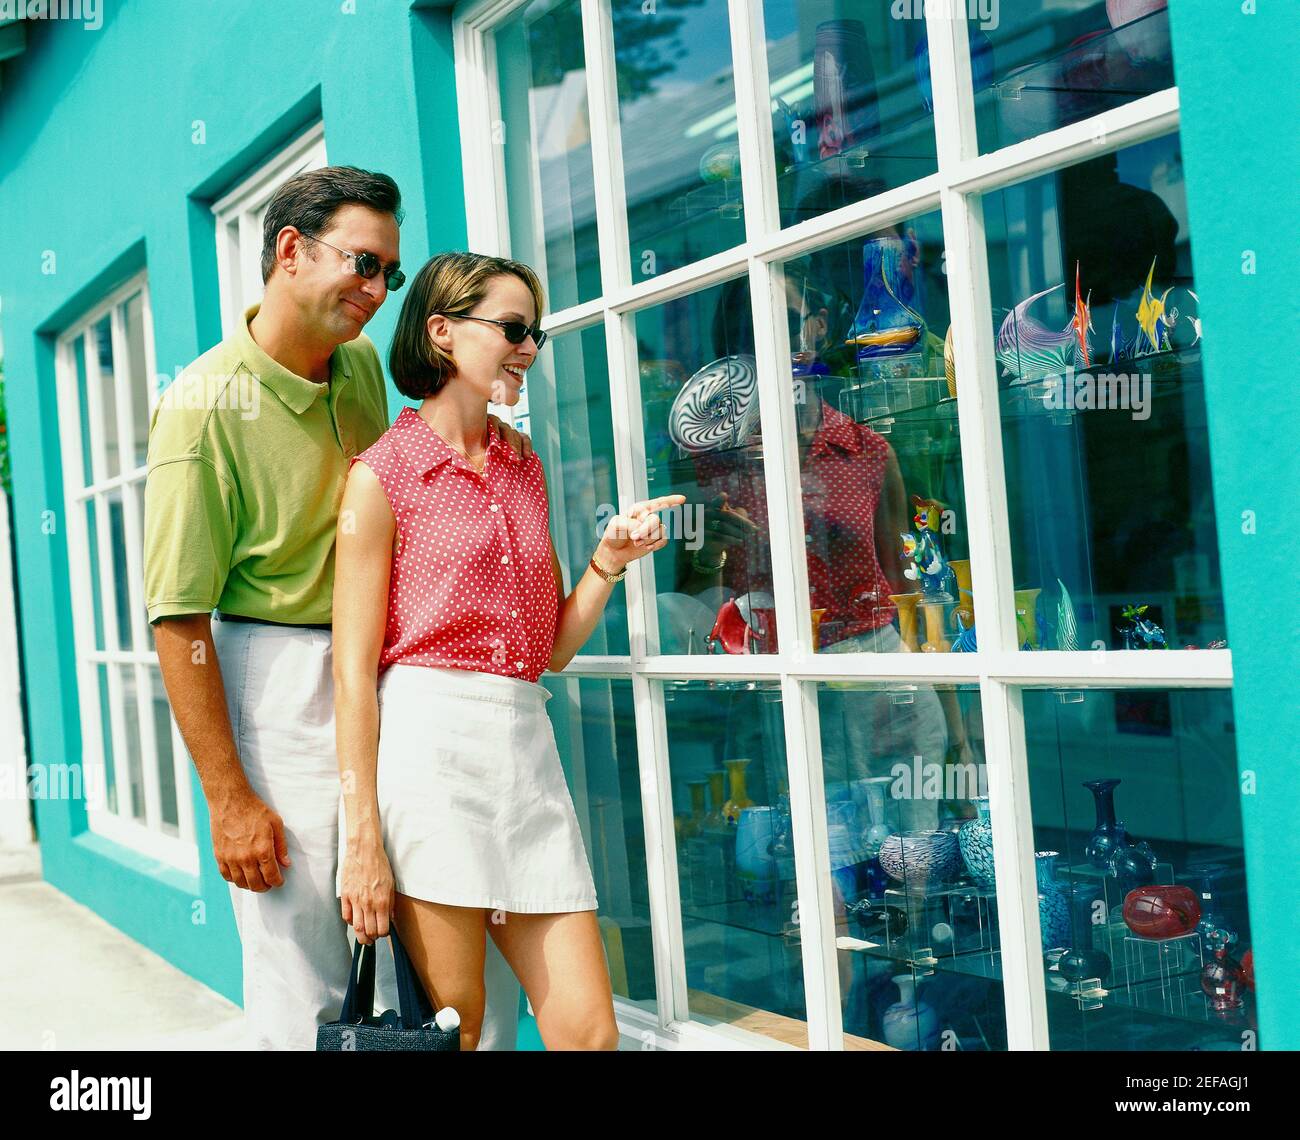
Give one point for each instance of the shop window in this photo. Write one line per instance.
(134, 771)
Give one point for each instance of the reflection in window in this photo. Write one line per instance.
(677, 112)
(569, 387)
(851, 110)
(1113, 534)
(1040, 64)
(595, 733)
(911, 854)
(735, 864)
(552, 206)
(1142, 877)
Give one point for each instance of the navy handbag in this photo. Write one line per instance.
(412, 1030)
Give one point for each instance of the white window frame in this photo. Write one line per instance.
(147, 837)
(239, 228)
(1000, 670)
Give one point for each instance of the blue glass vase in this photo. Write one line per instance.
(1053, 901)
(976, 840)
(1081, 960)
(1108, 835)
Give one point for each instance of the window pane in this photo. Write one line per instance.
(87, 454)
(162, 733)
(726, 753)
(575, 440)
(851, 110)
(126, 713)
(92, 547)
(1113, 533)
(106, 737)
(1142, 876)
(911, 866)
(880, 457)
(106, 424)
(121, 592)
(552, 208)
(595, 731)
(1041, 64)
(677, 111)
(699, 392)
(138, 367)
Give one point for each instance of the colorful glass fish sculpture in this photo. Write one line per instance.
(1028, 349)
(1154, 322)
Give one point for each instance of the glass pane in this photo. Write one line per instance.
(1142, 876)
(1113, 533)
(121, 592)
(575, 439)
(677, 112)
(549, 185)
(87, 455)
(106, 424)
(880, 458)
(106, 738)
(138, 368)
(699, 392)
(911, 866)
(162, 733)
(740, 920)
(92, 547)
(595, 730)
(143, 638)
(127, 714)
(851, 110)
(1042, 64)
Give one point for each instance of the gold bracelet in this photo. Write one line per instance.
(610, 578)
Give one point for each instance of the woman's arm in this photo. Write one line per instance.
(362, 565)
(626, 538)
(891, 522)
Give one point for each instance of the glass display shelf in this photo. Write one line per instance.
(1095, 73)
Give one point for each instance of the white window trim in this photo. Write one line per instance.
(239, 237)
(999, 668)
(180, 850)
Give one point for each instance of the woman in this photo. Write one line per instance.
(457, 822)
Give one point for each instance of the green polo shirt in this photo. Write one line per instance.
(247, 463)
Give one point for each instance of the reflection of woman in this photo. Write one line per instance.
(457, 819)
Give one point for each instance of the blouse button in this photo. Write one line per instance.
(494, 507)
(514, 613)
(505, 558)
(519, 665)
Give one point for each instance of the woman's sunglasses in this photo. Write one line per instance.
(367, 265)
(516, 331)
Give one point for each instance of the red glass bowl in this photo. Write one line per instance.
(1162, 911)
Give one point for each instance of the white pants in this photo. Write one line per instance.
(297, 950)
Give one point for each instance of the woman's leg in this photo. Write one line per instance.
(560, 960)
(446, 945)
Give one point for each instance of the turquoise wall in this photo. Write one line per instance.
(99, 166)
(1235, 63)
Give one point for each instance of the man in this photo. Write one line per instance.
(249, 450)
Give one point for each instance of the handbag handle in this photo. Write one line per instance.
(359, 1002)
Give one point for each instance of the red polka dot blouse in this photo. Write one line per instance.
(472, 585)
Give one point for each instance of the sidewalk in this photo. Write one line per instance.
(68, 980)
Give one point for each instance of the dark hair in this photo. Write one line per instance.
(451, 283)
(309, 201)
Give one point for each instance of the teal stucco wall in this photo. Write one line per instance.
(1235, 63)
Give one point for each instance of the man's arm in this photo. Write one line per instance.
(247, 836)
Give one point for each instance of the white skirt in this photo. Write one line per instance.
(472, 798)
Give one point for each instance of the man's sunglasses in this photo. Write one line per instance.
(516, 331)
(367, 265)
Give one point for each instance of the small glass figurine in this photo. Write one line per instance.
(1140, 632)
(929, 567)
(1222, 980)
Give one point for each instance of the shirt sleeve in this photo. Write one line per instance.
(189, 536)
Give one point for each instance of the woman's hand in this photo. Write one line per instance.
(368, 893)
(633, 535)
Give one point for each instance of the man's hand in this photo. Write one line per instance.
(248, 841)
(520, 444)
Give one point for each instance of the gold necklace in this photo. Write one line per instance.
(478, 467)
